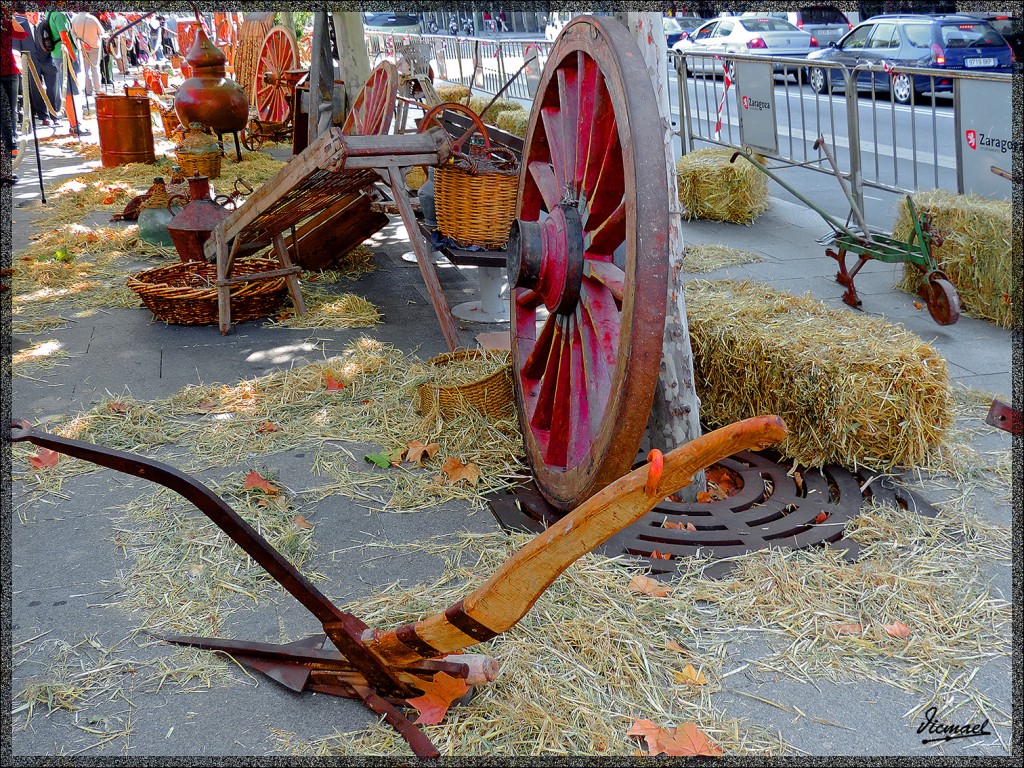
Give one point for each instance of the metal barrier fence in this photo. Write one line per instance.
(877, 141)
(485, 63)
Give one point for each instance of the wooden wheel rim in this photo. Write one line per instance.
(585, 377)
(278, 54)
(374, 105)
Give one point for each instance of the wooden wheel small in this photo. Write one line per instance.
(252, 136)
(588, 262)
(279, 53)
(459, 142)
(374, 105)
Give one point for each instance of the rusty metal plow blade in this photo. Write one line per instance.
(385, 669)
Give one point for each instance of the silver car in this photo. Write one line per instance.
(762, 35)
(827, 23)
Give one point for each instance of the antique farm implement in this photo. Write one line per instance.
(935, 288)
(386, 669)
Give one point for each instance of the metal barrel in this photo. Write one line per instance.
(126, 130)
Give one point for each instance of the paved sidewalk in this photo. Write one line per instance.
(63, 561)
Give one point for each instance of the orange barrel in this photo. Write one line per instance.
(126, 130)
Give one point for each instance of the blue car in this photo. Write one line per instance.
(909, 40)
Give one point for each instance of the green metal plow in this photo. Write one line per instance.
(938, 292)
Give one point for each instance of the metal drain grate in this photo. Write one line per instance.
(771, 510)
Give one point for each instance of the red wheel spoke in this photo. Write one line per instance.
(579, 399)
(597, 367)
(544, 408)
(568, 98)
(553, 131)
(544, 178)
(609, 275)
(603, 139)
(603, 316)
(536, 361)
(609, 234)
(562, 403)
(588, 81)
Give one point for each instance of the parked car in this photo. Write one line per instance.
(1008, 27)
(949, 42)
(755, 34)
(679, 27)
(399, 23)
(826, 22)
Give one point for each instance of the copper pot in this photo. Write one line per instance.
(209, 96)
(191, 227)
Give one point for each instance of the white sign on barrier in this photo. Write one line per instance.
(985, 143)
(755, 94)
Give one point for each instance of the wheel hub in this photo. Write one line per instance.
(547, 257)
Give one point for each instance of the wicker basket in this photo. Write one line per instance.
(199, 165)
(186, 293)
(172, 125)
(476, 201)
(415, 178)
(492, 395)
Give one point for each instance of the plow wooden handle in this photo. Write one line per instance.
(501, 601)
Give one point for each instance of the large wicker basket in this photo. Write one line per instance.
(207, 165)
(492, 395)
(186, 293)
(476, 201)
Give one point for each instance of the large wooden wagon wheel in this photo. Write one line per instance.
(279, 53)
(588, 262)
(374, 105)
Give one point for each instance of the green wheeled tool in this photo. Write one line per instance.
(935, 288)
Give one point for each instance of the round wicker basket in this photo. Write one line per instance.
(492, 395)
(476, 202)
(186, 293)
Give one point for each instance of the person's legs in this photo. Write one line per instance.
(8, 100)
(91, 70)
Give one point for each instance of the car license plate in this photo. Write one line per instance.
(986, 62)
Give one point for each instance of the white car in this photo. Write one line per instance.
(760, 35)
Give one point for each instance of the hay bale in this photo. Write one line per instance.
(710, 187)
(976, 253)
(514, 121)
(853, 390)
(477, 104)
(452, 92)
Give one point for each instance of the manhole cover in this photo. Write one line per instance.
(772, 508)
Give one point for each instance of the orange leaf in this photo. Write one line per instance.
(457, 471)
(691, 527)
(672, 645)
(302, 522)
(849, 629)
(679, 526)
(118, 407)
(645, 585)
(918, 305)
(255, 480)
(897, 629)
(268, 426)
(661, 555)
(703, 497)
(331, 384)
(690, 676)
(415, 450)
(821, 518)
(44, 458)
(688, 739)
(437, 696)
(685, 740)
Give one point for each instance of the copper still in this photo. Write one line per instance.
(211, 97)
(191, 227)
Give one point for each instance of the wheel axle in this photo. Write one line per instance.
(547, 256)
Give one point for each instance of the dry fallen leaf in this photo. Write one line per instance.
(685, 740)
(656, 555)
(255, 480)
(849, 629)
(679, 526)
(918, 305)
(117, 407)
(302, 522)
(331, 384)
(415, 450)
(268, 426)
(437, 696)
(690, 676)
(645, 585)
(672, 645)
(821, 518)
(897, 629)
(44, 458)
(457, 471)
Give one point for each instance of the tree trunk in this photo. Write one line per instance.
(353, 62)
(321, 78)
(675, 415)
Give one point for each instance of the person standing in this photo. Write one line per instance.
(63, 38)
(501, 21)
(26, 46)
(10, 74)
(89, 31)
(48, 73)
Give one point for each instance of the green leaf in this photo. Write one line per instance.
(382, 459)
